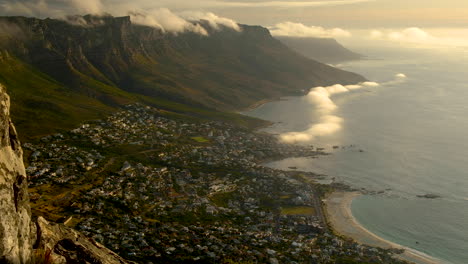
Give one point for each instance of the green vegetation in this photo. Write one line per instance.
(41, 105)
(222, 199)
(200, 139)
(298, 210)
(60, 75)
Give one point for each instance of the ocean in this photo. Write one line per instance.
(403, 138)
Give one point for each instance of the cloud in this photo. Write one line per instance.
(222, 4)
(411, 35)
(88, 6)
(167, 21)
(188, 21)
(162, 18)
(401, 75)
(376, 34)
(424, 38)
(408, 35)
(291, 29)
(328, 124)
(283, 4)
(27, 8)
(214, 20)
(320, 100)
(50, 8)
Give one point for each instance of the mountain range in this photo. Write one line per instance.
(59, 74)
(326, 50)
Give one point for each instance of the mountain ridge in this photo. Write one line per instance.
(326, 50)
(68, 73)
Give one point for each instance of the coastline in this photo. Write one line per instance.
(257, 105)
(339, 215)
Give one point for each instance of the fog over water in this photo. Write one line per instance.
(414, 141)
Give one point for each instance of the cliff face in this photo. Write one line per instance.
(16, 238)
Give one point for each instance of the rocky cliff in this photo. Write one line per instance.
(21, 239)
(16, 237)
(64, 245)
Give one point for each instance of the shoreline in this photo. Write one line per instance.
(262, 102)
(337, 212)
(257, 105)
(341, 220)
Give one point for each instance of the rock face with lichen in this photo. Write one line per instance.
(65, 245)
(16, 238)
(23, 241)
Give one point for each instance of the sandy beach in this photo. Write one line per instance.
(338, 209)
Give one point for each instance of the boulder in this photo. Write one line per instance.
(62, 244)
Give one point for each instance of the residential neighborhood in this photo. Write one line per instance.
(157, 189)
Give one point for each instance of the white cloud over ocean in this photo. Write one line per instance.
(292, 29)
(412, 34)
(321, 101)
(430, 37)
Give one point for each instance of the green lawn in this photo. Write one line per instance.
(298, 210)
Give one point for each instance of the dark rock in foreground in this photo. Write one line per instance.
(66, 245)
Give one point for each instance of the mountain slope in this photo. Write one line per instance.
(67, 73)
(325, 50)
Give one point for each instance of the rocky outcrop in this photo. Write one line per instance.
(16, 238)
(65, 245)
(21, 240)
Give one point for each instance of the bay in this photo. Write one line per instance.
(405, 138)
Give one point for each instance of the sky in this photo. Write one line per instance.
(325, 13)
(414, 21)
(353, 14)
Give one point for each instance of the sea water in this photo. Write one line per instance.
(404, 139)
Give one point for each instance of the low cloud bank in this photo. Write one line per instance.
(188, 21)
(214, 20)
(291, 29)
(409, 35)
(161, 18)
(320, 99)
(167, 21)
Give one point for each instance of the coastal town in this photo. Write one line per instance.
(161, 189)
